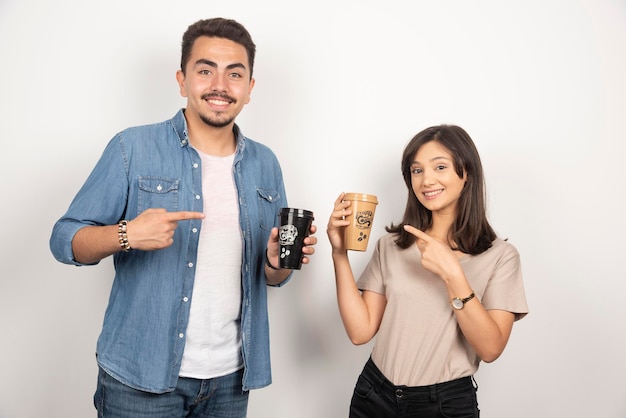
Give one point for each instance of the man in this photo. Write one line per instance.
(188, 209)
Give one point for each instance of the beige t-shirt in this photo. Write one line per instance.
(419, 341)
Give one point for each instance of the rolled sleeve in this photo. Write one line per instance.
(100, 201)
(61, 241)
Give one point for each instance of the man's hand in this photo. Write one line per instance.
(151, 230)
(276, 275)
(154, 228)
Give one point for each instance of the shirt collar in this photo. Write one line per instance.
(180, 126)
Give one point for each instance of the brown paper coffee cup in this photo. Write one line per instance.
(363, 207)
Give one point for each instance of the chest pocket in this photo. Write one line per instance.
(157, 192)
(269, 205)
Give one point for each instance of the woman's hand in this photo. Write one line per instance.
(437, 257)
(337, 224)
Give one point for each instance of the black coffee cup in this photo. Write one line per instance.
(295, 225)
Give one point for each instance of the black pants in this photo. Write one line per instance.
(376, 397)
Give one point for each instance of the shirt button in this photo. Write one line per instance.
(195, 165)
(180, 335)
(197, 197)
(194, 230)
(190, 264)
(270, 198)
(185, 299)
(184, 142)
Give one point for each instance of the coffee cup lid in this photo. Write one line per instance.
(298, 212)
(362, 197)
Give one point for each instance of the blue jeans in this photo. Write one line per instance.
(221, 397)
(376, 397)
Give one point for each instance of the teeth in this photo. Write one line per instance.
(431, 194)
(218, 102)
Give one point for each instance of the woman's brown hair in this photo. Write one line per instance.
(470, 231)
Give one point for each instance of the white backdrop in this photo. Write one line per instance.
(341, 87)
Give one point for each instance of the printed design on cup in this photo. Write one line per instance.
(364, 219)
(287, 236)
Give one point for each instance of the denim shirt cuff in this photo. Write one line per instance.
(61, 244)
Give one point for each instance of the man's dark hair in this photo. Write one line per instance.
(217, 28)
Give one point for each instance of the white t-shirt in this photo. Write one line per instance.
(419, 341)
(213, 345)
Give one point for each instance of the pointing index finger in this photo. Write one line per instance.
(419, 234)
(185, 215)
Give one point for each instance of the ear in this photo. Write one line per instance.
(250, 87)
(180, 78)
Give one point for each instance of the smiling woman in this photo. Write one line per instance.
(443, 274)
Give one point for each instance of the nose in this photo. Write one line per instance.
(218, 82)
(428, 179)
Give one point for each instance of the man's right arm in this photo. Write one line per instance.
(152, 230)
(93, 243)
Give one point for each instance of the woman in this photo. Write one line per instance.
(441, 291)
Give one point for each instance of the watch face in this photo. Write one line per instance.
(457, 303)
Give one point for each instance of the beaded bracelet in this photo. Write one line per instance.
(121, 235)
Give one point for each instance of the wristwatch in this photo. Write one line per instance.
(458, 303)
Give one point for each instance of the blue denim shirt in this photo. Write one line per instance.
(143, 335)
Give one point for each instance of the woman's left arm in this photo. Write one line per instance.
(487, 331)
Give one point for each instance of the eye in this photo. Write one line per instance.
(416, 170)
(440, 167)
(236, 75)
(204, 72)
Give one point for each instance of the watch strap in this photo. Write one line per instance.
(467, 299)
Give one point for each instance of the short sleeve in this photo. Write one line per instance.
(372, 277)
(505, 289)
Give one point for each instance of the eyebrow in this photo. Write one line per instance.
(433, 159)
(204, 61)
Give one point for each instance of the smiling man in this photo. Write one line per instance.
(188, 209)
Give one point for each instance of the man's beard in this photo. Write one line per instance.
(215, 123)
